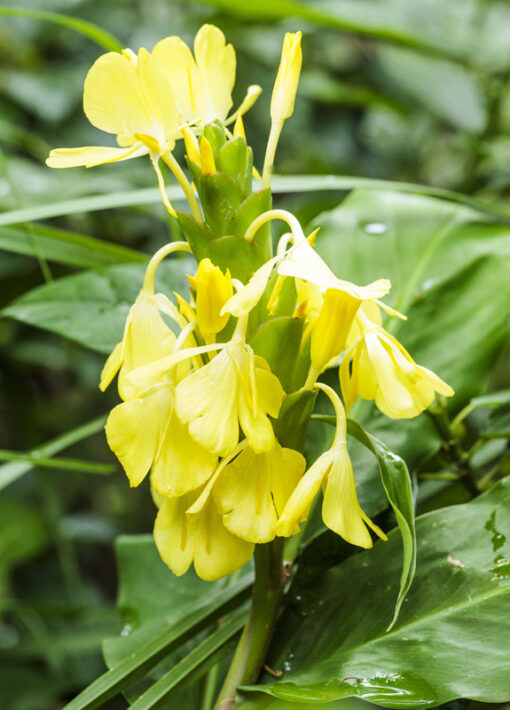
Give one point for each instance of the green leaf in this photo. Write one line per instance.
(66, 247)
(23, 532)
(91, 307)
(10, 472)
(84, 27)
(150, 653)
(195, 664)
(397, 485)
(60, 463)
(237, 254)
(331, 641)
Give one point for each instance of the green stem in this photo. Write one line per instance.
(254, 642)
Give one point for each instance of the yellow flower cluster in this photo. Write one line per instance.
(199, 407)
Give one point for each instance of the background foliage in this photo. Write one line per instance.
(392, 90)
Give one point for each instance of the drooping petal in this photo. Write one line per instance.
(341, 511)
(243, 496)
(247, 297)
(330, 331)
(182, 465)
(111, 367)
(147, 338)
(207, 400)
(217, 552)
(92, 155)
(175, 532)
(298, 505)
(135, 430)
(112, 97)
(216, 63)
(286, 470)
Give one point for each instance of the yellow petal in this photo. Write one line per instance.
(182, 465)
(135, 430)
(243, 496)
(298, 505)
(112, 97)
(332, 327)
(286, 470)
(177, 62)
(147, 339)
(213, 289)
(216, 64)
(285, 86)
(92, 155)
(207, 399)
(159, 98)
(341, 511)
(174, 534)
(217, 552)
(111, 367)
(248, 296)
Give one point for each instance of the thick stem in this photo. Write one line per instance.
(254, 642)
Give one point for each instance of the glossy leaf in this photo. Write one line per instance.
(332, 643)
(91, 307)
(150, 653)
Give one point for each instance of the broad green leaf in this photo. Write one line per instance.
(141, 570)
(195, 664)
(66, 247)
(84, 27)
(10, 472)
(150, 653)
(91, 307)
(397, 485)
(451, 639)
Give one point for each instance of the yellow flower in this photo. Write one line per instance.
(146, 338)
(285, 86)
(213, 289)
(341, 510)
(145, 432)
(235, 388)
(189, 529)
(129, 96)
(202, 85)
(376, 366)
(253, 489)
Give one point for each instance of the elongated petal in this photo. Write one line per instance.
(216, 63)
(213, 290)
(135, 430)
(147, 339)
(111, 367)
(260, 394)
(176, 61)
(243, 496)
(286, 470)
(341, 511)
(182, 465)
(298, 505)
(332, 327)
(207, 399)
(174, 534)
(247, 297)
(92, 155)
(217, 552)
(112, 98)
(393, 399)
(159, 98)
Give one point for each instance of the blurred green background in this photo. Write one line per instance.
(405, 90)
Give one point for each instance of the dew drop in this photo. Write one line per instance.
(375, 229)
